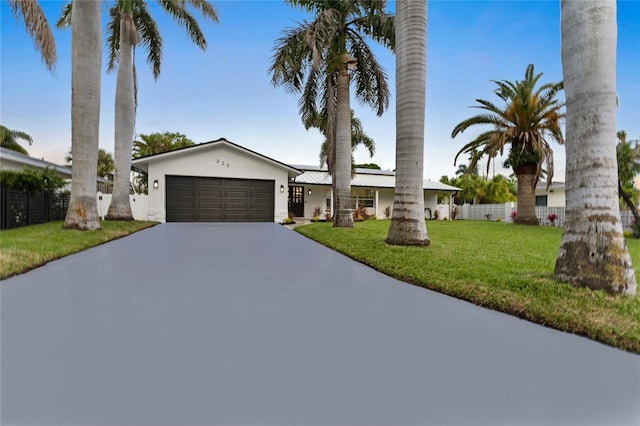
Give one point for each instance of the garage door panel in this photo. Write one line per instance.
(203, 199)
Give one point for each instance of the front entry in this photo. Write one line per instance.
(296, 201)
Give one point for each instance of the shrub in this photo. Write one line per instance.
(327, 217)
(514, 214)
(552, 218)
(498, 219)
(387, 212)
(317, 212)
(32, 180)
(436, 214)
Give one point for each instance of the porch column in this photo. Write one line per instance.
(332, 199)
(375, 202)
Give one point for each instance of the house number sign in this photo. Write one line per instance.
(222, 162)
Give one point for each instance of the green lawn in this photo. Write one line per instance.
(498, 265)
(25, 248)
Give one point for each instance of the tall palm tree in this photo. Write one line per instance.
(9, 139)
(86, 64)
(528, 119)
(317, 59)
(593, 252)
(131, 22)
(38, 28)
(407, 221)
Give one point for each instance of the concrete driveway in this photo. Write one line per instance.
(252, 324)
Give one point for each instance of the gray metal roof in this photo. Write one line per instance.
(20, 159)
(364, 178)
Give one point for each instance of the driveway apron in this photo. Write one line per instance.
(253, 324)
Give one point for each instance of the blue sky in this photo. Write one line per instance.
(226, 91)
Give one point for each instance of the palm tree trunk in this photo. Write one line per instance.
(593, 251)
(343, 216)
(120, 207)
(86, 48)
(407, 222)
(526, 175)
(634, 210)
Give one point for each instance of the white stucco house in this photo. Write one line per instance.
(221, 181)
(13, 160)
(552, 197)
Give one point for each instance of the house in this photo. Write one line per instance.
(552, 197)
(370, 189)
(13, 160)
(222, 181)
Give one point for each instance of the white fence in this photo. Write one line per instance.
(138, 205)
(503, 213)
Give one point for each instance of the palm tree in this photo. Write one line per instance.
(130, 22)
(38, 28)
(9, 139)
(407, 221)
(327, 151)
(317, 59)
(86, 61)
(530, 116)
(628, 159)
(156, 143)
(593, 252)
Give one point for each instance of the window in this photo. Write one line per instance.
(541, 201)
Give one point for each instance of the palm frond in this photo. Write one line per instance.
(150, 38)
(177, 10)
(38, 28)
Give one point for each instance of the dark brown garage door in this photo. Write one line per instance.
(204, 199)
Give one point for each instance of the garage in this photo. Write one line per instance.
(214, 199)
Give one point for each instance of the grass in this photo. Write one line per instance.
(497, 265)
(26, 248)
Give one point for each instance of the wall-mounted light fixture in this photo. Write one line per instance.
(281, 188)
(309, 191)
(155, 184)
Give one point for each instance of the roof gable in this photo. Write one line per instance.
(142, 162)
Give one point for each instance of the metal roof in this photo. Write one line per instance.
(21, 159)
(364, 178)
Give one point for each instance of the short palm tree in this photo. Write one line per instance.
(529, 118)
(317, 59)
(9, 139)
(628, 158)
(327, 150)
(131, 23)
(38, 28)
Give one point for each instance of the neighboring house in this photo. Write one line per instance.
(221, 181)
(13, 160)
(552, 197)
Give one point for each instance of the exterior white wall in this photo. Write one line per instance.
(316, 199)
(221, 161)
(555, 197)
(138, 205)
(385, 198)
